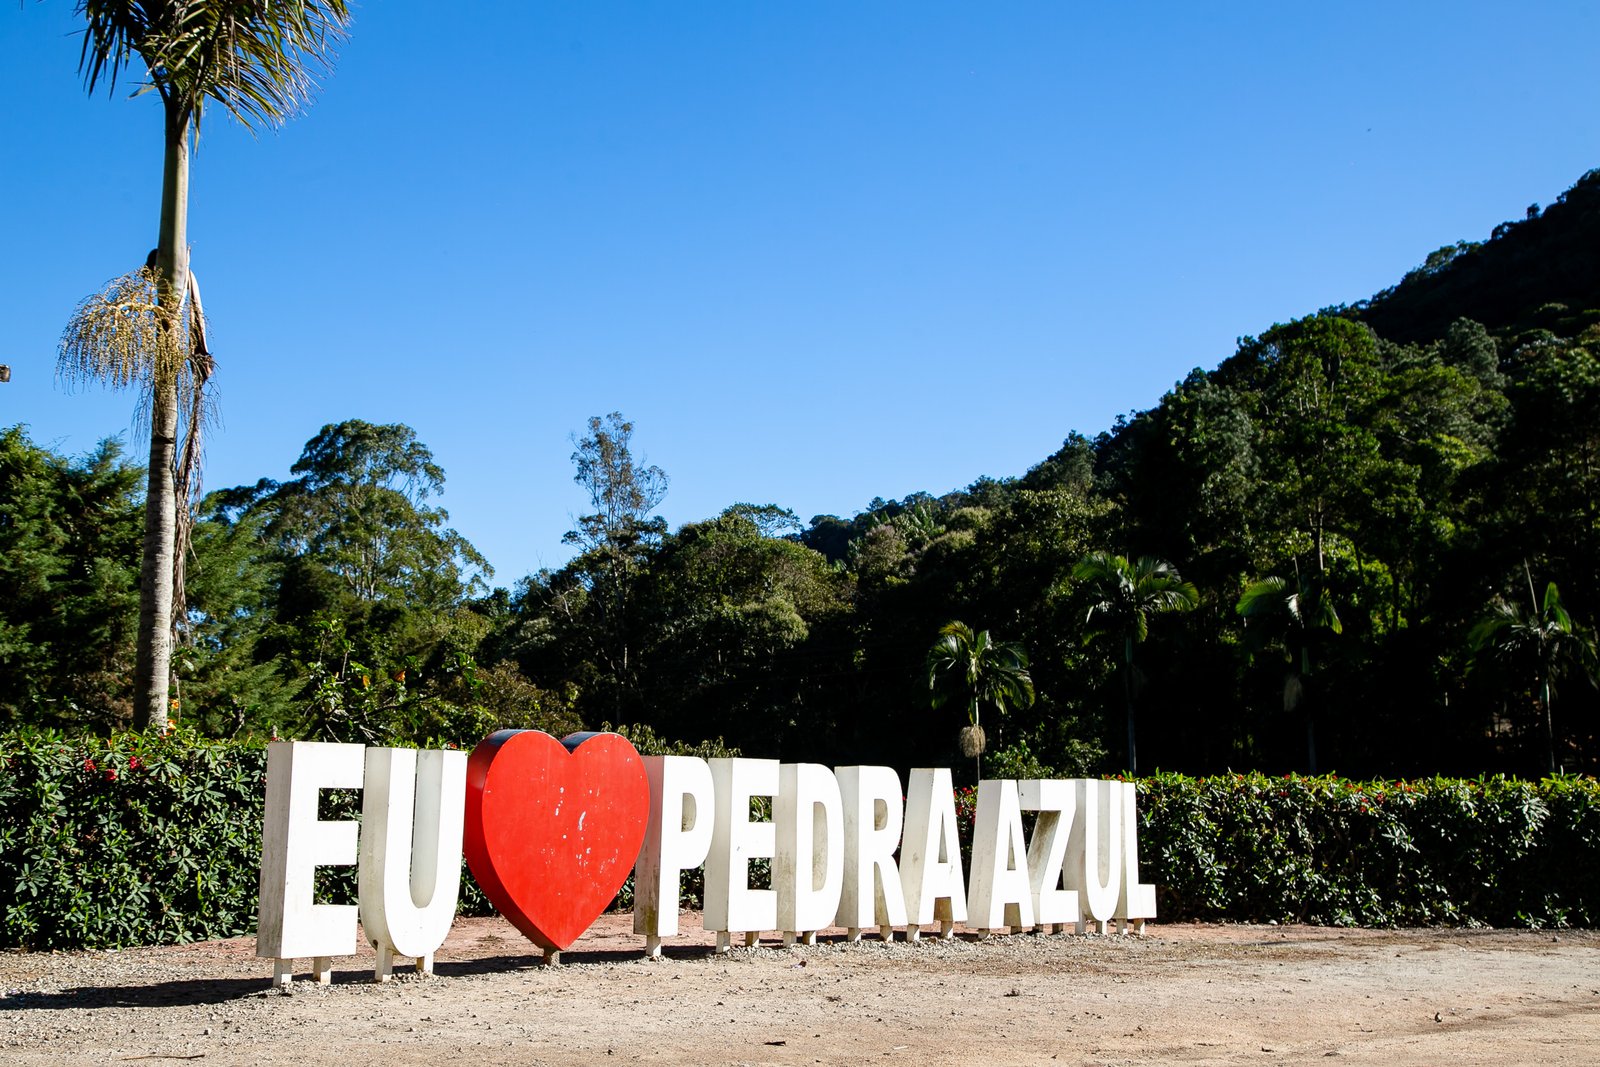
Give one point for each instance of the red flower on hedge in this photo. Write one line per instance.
(88, 766)
(134, 763)
(111, 774)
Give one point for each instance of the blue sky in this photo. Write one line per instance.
(817, 252)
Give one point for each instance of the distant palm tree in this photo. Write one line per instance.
(256, 58)
(1303, 613)
(1543, 640)
(1123, 597)
(977, 670)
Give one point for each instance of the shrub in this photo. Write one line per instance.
(136, 839)
(139, 839)
(1495, 851)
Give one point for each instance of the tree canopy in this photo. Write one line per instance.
(1359, 502)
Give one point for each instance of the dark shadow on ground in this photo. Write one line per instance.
(183, 993)
(198, 991)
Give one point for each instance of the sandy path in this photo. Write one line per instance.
(1181, 994)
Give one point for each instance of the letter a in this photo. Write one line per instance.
(930, 855)
(1000, 894)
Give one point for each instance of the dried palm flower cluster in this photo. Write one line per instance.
(973, 741)
(123, 336)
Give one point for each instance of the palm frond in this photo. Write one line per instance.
(1553, 609)
(1263, 597)
(259, 59)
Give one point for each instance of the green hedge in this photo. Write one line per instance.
(140, 840)
(130, 840)
(1492, 851)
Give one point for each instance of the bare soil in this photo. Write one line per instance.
(1179, 994)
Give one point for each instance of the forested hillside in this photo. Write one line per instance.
(1373, 538)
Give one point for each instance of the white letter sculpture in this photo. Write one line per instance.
(874, 813)
(930, 856)
(294, 843)
(410, 874)
(1137, 901)
(1001, 893)
(808, 869)
(682, 803)
(1056, 803)
(731, 906)
(1094, 851)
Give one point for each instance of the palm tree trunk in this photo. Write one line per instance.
(1549, 725)
(153, 665)
(1127, 687)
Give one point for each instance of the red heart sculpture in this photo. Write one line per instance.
(554, 827)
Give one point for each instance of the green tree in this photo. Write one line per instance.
(69, 532)
(976, 670)
(340, 593)
(1551, 479)
(1542, 640)
(359, 508)
(1123, 597)
(1300, 615)
(734, 627)
(256, 59)
(222, 682)
(617, 537)
(1315, 385)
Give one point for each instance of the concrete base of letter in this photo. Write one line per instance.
(384, 968)
(283, 971)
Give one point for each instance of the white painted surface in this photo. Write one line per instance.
(730, 904)
(682, 813)
(412, 814)
(1137, 901)
(1001, 893)
(1093, 863)
(930, 854)
(874, 815)
(294, 843)
(808, 864)
(1056, 803)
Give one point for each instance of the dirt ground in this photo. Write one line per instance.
(1180, 994)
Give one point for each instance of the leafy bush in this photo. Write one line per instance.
(1017, 761)
(136, 839)
(1494, 851)
(140, 839)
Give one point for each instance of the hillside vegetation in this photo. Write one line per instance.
(1388, 514)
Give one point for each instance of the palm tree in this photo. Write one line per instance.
(1123, 598)
(1543, 639)
(978, 670)
(1304, 612)
(256, 58)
